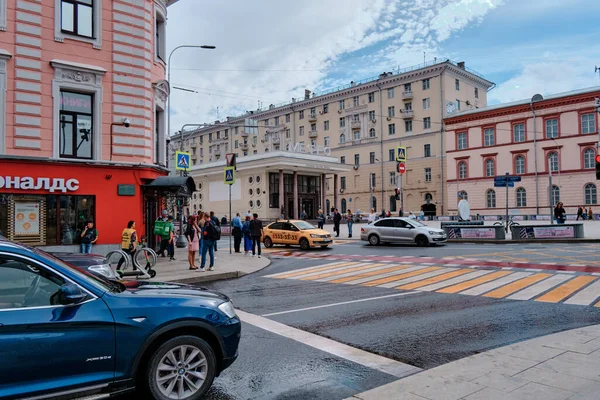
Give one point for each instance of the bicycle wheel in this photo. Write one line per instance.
(145, 256)
(115, 256)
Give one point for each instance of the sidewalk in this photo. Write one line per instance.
(227, 266)
(563, 365)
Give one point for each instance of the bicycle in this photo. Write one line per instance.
(509, 223)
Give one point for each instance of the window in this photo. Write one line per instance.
(390, 93)
(391, 111)
(342, 138)
(518, 133)
(393, 178)
(342, 122)
(457, 104)
(313, 111)
(301, 114)
(425, 84)
(343, 160)
(392, 129)
(462, 170)
(490, 167)
(426, 103)
(372, 157)
(463, 195)
(357, 159)
(342, 104)
(356, 135)
(326, 141)
(488, 137)
(373, 180)
(372, 133)
(236, 144)
(407, 87)
(274, 190)
(457, 84)
(490, 198)
(325, 108)
(276, 121)
(372, 116)
(552, 128)
(589, 159)
(77, 17)
(476, 93)
(588, 123)
(427, 150)
(408, 126)
(553, 161)
(326, 125)
(427, 123)
(356, 118)
(427, 174)
(313, 142)
(374, 203)
(408, 106)
(590, 194)
(520, 165)
(76, 132)
(343, 205)
(521, 197)
(343, 182)
(371, 97)
(392, 155)
(301, 131)
(254, 140)
(287, 118)
(287, 133)
(555, 195)
(355, 101)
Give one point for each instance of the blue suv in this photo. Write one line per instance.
(65, 333)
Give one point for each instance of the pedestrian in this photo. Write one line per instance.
(321, 219)
(236, 231)
(401, 212)
(585, 214)
(350, 222)
(590, 214)
(224, 220)
(247, 237)
(256, 231)
(411, 215)
(159, 226)
(388, 214)
(579, 213)
(215, 221)
(422, 215)
(372, 216)
(382, 215)
(128, 242)
(193, 239)
(560, 213)
(210, 235)
(170, 227)
(89, 236)
(249, 214)
(337, 218)
(303, 215)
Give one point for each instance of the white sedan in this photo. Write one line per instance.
(401, 230)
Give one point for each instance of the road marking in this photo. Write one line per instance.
(469, 284)
(312, 277)
(453, 281)
(435, 279)
(367, 274)
(374, 361)
(393, 278)
(586, 296)
(538, 288)
(415, 278)
(486, 287)
(338, 304)
(317, 268)
(516, 286)
(558, 294)
(303, 272)
(351, 273)
(383, 275)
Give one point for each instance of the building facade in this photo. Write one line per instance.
(554, 138)
(82, 121)
(361, 126)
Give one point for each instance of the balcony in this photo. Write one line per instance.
(312, 118)
(407, 114)
(244, 146)
(244, 134)
(312, 134)
(355, 124)
(407, 95)
(217, 152)
(276, 139)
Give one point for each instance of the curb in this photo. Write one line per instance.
(511, 241)
(219, 276)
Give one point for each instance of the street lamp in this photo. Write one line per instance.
(535, 98)
(206, 47)
(551, 190)
(124, 122)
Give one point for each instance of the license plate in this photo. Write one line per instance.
(326, 241)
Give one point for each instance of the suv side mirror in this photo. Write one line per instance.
(70, 293)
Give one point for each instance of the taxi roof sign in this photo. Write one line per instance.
(182, 161)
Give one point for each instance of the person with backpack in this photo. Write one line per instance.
(210, 234)
(89, 236)
(159, 230)
(247, 237)
(256, 231)
(216, 222)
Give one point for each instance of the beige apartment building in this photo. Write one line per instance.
(360, 125)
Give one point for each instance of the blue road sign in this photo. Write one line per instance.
(509, 178)
(504, 184)
(229, 178)
(182, 161)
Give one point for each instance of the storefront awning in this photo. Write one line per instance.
(181, 185)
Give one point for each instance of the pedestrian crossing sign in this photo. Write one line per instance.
(401, 154)
(182, 161)
(229, 175)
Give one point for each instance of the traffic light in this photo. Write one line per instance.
(397, 192)
(598, 166)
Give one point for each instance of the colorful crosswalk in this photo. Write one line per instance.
(565, 287)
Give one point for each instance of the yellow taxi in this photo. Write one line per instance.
(296, 232)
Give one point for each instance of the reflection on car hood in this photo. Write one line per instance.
(316, 231)
(81, 260)
(146, 288)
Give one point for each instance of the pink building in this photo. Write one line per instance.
(555, 136)
(82, 98)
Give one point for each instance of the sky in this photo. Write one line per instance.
(269, 51)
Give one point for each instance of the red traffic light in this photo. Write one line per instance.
(598, 158)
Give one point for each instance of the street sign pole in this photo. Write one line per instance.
(506, 229)
(401, 196)
(230, 221)
(230, 180)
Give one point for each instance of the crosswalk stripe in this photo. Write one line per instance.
(378, 271)
(329, 265)
(368, 267)
(435, 279)
(486, 287)
(516, 286)
(416, 278)
(323, 274)
(310, 270)
(478, 281)
(453, 281)
(383, 275)
(538, 288)
(586, 296)
(566, 289)
(359, 267)
(393, 278)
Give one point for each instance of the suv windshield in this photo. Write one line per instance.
(303, 225)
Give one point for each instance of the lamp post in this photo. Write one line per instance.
(535, 98)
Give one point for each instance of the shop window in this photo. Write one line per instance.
(343, 206)
(79, 20)
(76, 127)
(274, 190)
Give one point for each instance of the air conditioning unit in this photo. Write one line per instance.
(356, 166)
(340, 111)
(373, 120)
(321, 112)
(389, 118)
(341, 190)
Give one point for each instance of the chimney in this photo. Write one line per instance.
(461, 65)
(306, 94)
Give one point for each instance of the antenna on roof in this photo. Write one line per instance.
(596, 69)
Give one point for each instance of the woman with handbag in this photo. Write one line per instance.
(192, 237)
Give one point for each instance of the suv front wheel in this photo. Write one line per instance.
(181, 368)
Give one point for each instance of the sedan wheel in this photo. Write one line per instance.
(373, 240)
(182, 368)
(422, 241)
(304, 244)
(268, 242)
